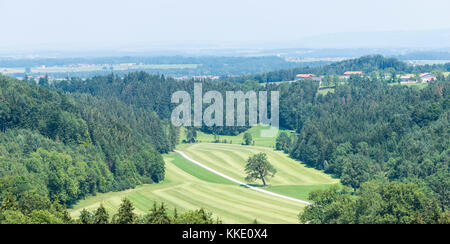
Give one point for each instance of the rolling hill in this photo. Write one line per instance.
(188, 186)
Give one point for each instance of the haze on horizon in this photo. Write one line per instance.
(110, 23)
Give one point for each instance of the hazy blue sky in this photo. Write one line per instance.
(54, 23)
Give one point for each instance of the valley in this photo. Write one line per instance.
(188, 186)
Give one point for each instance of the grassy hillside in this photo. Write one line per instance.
(231, 160)
(188, 186)
(185, 191)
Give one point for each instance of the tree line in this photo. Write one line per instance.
(32, 208)
(68, 146)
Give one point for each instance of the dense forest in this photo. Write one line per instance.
(367, 133)
(64, 141)
(146, 92)
(375, 202)
(67, 147)
(369, 130)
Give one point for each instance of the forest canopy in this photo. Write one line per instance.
(68, 147)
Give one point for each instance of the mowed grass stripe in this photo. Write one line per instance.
(231, 160)
(175, 198)
(232, 203)
(256, 199)
(297, 191)
(215, 162)
(214, 200)
(258, 205)
(289, 171)
(217, 157)
(242, 205)
(196, 170)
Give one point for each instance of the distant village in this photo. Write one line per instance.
(424, 78)
(404, 79)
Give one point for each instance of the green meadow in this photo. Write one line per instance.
(188, 186)
(256, 132)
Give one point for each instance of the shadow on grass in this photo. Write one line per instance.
(255, 185)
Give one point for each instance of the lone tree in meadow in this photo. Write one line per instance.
(258, 167)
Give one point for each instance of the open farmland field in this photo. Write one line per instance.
(188, 186)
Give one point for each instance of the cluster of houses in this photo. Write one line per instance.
(424, 78)
(308, 76)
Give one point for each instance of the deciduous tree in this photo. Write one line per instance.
(258, 167)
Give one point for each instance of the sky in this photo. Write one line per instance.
(113, 23)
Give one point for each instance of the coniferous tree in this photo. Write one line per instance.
(101, 215)
(125, 214)
(191, 134)
(174, 136)
(86, 217)
(158, 215)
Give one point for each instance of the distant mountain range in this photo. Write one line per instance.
(429, 39)
(425, 44)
